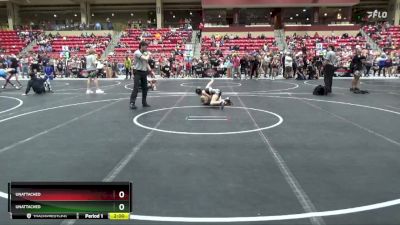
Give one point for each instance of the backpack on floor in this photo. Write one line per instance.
(320, 90)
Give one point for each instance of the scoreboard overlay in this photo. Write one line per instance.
(70, 200)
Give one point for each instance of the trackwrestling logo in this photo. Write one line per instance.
(377, 14)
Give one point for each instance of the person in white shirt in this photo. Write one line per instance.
(288, 65)
(91, 69)
(266, 65)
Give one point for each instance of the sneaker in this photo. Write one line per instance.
(146, 105)
(132, 106)
(222, 105)
(3, 87)
(99, 91)
(88, 92)
(17, 87)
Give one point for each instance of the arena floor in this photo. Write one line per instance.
(279, 155)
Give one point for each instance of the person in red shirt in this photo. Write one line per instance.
(188, 68)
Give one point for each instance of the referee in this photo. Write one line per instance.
(329, 68)
(142, 68)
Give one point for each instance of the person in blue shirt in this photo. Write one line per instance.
(49, 76)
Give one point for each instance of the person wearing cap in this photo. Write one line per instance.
(142, 67)
(91, 69)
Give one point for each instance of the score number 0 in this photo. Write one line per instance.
(121, 206)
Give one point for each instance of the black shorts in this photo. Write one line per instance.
(35, 67)
(39, 91)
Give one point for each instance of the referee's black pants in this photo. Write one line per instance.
(329, 72)
(139, 77)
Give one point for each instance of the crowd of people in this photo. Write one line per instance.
(258, 64)
(267, 62)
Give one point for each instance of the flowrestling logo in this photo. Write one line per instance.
(377, 14)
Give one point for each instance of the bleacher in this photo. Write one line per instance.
(381, 37)
(11, 42)
(394, 32)
(162, 42)
(246, 45)
(310, 43)
(76, 42)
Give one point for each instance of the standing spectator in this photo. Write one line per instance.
(319, 65)
(389, 65)
(295, 65)
(188, 68)
(128, 65)
(109, 24)
(114, 68)
(60, 67)
(275, 64)
(91, 69)
(329, 68)
(142, 67)
(381, 62)
(25, 66)
(288, 66)
(282, 63)
(228, 65)
(395, 61)
(369, 61)
(97, 26)
(201, 26)
(266, 65)
(254, 66)
(244, 66)
(236, 67)
(356, 68)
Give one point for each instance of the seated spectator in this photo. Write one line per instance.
(311, 71)
(300, 75)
